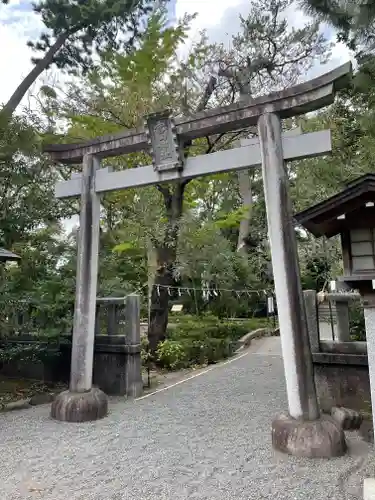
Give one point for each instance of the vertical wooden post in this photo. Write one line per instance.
(303, 432)
(134, 382)
(293, 323)
(86, 282)
(112, 318)
(83, 402)
(311, 308)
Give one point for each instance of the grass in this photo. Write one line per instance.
(12, 389)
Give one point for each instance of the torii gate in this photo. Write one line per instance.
(303, 431)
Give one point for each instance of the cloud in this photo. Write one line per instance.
(210, 14)
(222, 22)
(18, 24)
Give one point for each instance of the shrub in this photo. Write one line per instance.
(357, 322)
(174, 354)
(28, 352)
(146, 355)
(211, 327)
(201, 340)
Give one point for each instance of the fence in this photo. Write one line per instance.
(117, 349)
(340, 363)
(23, 318)
(341, 317)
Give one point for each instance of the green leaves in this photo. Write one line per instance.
(129, 247)
(233, 218)
(48, 92)
(77, 32)
(92, 26)
(353, 20)
(271, 55)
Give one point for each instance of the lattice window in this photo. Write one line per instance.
(363, 249)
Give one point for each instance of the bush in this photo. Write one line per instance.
(146, 355)
(357, 322)
(28, 352)
(174, 354)
(202, 340)
(212, 327)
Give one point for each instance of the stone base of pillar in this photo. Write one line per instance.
(348, 419)
(322, 438)
(80, 406)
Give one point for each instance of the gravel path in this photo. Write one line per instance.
(208, 438)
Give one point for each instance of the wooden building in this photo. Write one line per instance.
(351, 214)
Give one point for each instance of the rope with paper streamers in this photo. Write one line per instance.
(215, 292)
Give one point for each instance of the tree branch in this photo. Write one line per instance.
(208, 91)
(163, 190)
(38, 69)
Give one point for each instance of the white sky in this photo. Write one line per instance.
(18, 24)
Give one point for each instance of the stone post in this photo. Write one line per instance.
(342, 316)
(82, 402)
(112, 318)
(369, 313)
(134, 382)
(311, 308)
(302, 432)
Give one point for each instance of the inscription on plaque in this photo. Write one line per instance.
(164, 143)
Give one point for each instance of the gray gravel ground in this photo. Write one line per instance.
(208, 438)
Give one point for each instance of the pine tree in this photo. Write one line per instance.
(354, 20)
(76, 31)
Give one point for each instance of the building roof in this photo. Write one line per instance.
(5, 255)
(322, 219)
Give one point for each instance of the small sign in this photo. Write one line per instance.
(163, 142)
(270, 305)
(177, 308)
(332, 286)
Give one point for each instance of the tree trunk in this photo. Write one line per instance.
(244, 183)
(38, 69)
(166, 258)
(166, 253)
(152, 265)
(159, 306)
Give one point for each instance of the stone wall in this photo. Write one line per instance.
(340, 368)
(342, 380)
(117, 366)
(113, 358)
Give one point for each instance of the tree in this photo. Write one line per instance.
(268, 56)
(30, 225)
(354, 20)
(119, 94)
(76, 32)
(27, 181)
(116, 95)
(351, 121)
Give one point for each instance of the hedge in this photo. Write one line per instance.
(202, 341)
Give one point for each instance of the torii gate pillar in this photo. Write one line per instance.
(83, 402)
(303, 431)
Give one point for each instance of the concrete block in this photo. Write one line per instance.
(369, 489)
